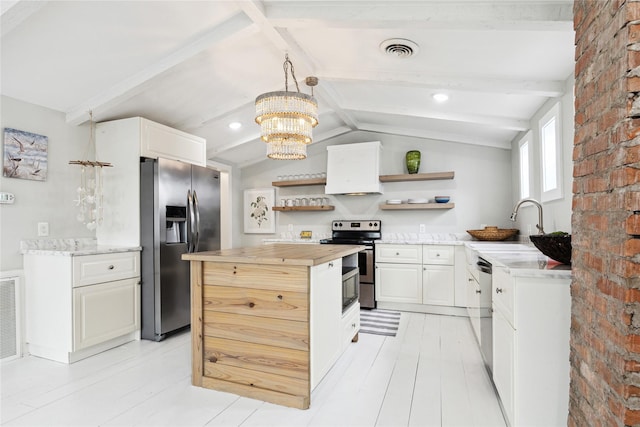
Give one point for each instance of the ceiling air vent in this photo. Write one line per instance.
(401, 48)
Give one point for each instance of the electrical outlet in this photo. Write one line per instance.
(290, 227)
(423, 228)
(43, 229)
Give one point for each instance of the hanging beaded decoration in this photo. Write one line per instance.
(89, 192)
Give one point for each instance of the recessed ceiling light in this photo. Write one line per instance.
(440, 97)
(235, 125)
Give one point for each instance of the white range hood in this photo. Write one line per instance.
(354, 168)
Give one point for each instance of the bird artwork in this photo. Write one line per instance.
(25, 155)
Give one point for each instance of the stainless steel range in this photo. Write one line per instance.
(363, 232)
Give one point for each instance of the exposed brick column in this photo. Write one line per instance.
(605, 325)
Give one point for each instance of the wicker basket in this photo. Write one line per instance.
(554, 246)
(493, 233)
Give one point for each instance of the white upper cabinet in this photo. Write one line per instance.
(353, 168)
(162, 141)
(153, 140)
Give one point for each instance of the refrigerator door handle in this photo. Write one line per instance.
(196, 227)
(190, 220)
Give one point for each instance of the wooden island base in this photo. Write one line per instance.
(267, 322)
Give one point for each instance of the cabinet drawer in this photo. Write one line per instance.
(91, 269)
(503, 293)
(437, 254)
(350, 325)
(403, 254)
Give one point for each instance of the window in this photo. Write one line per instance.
(525, 187)
(551, 154)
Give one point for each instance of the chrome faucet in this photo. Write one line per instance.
(514, 214)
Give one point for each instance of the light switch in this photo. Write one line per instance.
(422, 228)
(43, 229)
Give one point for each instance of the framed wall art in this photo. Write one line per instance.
(259, 216)
(25, 155)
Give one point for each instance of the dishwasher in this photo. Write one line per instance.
(486, 313)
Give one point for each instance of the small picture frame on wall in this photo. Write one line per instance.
(259, 216)
(25, 155)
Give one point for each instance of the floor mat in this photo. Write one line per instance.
(379, 322)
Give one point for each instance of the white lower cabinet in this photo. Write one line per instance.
(418, 274)
(473, 304)
(504, 337)
(399, 282)
(437, 285)
(325, 317)
(78, 306)
(105, 311)
(531, 328)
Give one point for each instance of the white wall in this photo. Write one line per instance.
(41, 201)
(481, 189)
(557, 213)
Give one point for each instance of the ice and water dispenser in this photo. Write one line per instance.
(176, 224)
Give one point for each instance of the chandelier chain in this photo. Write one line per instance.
(286, 65)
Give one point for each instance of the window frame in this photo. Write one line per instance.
(525, 168)
(556, 192)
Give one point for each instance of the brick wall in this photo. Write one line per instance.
(605, 326)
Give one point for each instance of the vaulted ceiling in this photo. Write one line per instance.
(198, 65)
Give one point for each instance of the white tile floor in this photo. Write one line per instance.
(430, 374)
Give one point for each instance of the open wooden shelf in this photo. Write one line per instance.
(408, 206)
(417, 176)
(304, 208)
(300, 182)
(383, 178)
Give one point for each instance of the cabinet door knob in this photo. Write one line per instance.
(478, 291)
(330, 264)
(111, 267)
(498, 290)
(397, 253)
(470, 279)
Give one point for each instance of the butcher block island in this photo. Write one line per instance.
(267, 322)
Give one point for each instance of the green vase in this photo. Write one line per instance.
(413, 161)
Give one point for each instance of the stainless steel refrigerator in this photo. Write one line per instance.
(179, 213)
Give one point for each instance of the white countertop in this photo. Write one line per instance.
(520, 260)
(70, 247)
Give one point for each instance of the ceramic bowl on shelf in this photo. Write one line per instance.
(442, 199)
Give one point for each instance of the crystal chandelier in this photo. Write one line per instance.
(286, 118)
